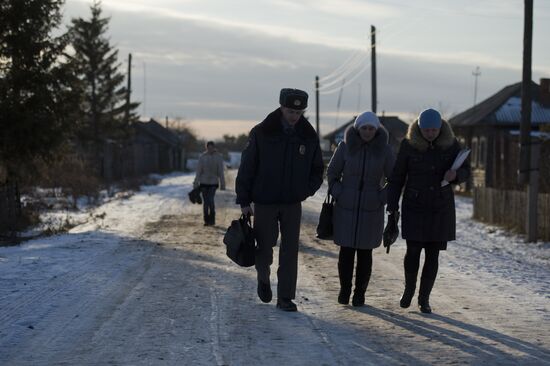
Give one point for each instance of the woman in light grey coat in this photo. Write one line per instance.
(356, 178)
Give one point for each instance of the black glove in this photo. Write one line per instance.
(391, 232)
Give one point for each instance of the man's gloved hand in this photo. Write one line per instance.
(247, 211)
(391, 232)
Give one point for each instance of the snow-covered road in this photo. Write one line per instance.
(144, 283)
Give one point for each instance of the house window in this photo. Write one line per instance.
(473, 158)
(482, 153)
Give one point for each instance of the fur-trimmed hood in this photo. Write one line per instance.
(354, 141)
(445, 139)
(272, 126)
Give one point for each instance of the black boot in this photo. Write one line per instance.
(264, 291)
(362, 278)
(212, 218)
(426, 286)
(410, 286)
(345, 274)
(206, 219)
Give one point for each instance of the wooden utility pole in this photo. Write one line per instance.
(373, 66)
(358, 98)
(317, 105)
(128, 91)
(476, 74)
(527, 162)
(339, 102)
(525, 127)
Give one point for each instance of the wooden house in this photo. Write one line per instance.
(491, 130)
(169, 146)
(152, 148)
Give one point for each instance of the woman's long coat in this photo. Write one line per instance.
(356, 177)
(428, 210)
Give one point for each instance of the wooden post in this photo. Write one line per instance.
(529, 153)
(317, 105)
(525, 127)
(128, 91)
(373, 66)
(533, 194)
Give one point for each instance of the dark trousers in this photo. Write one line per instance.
(431, 260)
(346, 261)
(208, 193)
(268, 220)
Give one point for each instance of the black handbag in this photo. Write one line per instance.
(240, 243)
(325, 229)
(195, 196)
(391, 231)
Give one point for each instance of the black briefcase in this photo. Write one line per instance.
(240, 243)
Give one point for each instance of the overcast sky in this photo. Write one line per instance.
(219, 64)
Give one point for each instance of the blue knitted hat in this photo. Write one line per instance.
(429, 118)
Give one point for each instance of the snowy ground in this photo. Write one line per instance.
(142, 282)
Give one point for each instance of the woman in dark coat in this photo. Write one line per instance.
(356, 176)
(428, 209)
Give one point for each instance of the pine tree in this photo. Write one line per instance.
(103, 105)
(33, 83)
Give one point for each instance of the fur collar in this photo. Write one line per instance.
(272, 126)
(445, 139)
(355, 143)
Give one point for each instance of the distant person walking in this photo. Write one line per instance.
(428, 218)
(356, 177)
(210, 176)
(280, 167)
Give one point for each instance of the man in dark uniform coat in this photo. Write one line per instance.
(280, 167)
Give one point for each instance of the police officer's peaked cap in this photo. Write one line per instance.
(293, 98)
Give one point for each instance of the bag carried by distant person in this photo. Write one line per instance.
(240, 242)
(325, 227)
(195, 196)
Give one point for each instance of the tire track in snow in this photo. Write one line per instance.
(215, 327)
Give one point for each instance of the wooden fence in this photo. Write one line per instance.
(133, 160)
(509, 209)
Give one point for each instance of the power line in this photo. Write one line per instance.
(349, 71)
(339, 69)
(343, 66)
(331, 91)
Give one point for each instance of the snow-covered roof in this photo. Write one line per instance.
(503, 107)
(510, 112)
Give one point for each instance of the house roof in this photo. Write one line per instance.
(393, 124)
(159, 132)
(503, 107)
